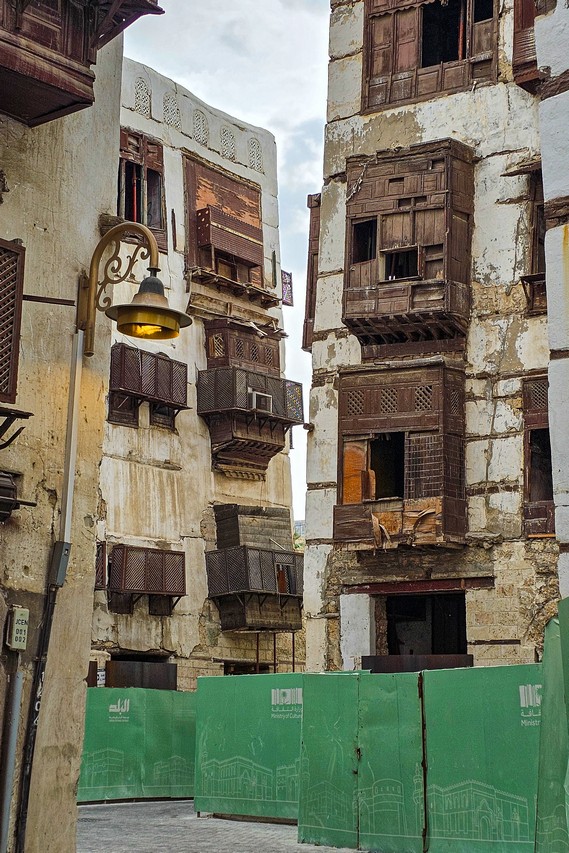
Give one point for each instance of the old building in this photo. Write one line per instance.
(197, 574)
(430, 507)
(124, 461)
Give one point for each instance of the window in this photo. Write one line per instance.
(364, 241)
(311, 271)
(11, 289)
(534, 283)
(401, 264)
(224, 226)
(101, 566)
(414, 50)
(524, 59)
(539, 508)
(141, 183)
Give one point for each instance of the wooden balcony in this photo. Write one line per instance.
(46, 50)
(256, 589)
(403, 311)
(248, 415)
(389, 523)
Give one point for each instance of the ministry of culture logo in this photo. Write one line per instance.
(530, 704)
(286, 703)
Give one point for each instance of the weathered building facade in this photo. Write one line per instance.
(197, 574)
(135, 462)
(430, 507)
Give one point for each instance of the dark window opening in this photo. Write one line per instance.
(444, 32)
(162, 415)
(540, 472)
(537, 223)
(154, 199)
(483, 10)
(364, 241)
(387, 462)
(123, 409)
(286, 581)
(132, 192)
(401, 264)
(426, 624)
(132, 670)
(233, 668)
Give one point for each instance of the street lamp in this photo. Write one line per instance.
(148, 315)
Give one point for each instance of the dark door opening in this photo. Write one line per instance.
(426, 624)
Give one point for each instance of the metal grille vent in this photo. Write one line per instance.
(389, 401)
(147, 570)
(424, 398)
(11, 286)
(356, 403)
(455, 402)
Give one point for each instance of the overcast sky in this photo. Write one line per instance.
(264, 61)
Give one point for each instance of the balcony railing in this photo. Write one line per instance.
(234, 390)
(256, 589)
(399, 311)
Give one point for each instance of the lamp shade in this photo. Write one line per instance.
(149, 315)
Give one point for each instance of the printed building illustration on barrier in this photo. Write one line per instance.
(242, 779)
(382, 809)
(175, 771)
(477, 811)
(103, 769)
(326, 805)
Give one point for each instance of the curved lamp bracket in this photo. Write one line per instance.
(92, 291)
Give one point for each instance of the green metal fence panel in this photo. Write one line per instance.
(130, 749)
(248, 744)
(552, 830)
(328, 798)
(482, 753)
(390, 777)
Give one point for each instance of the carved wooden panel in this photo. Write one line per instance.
(11, 289)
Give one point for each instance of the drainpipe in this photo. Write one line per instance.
(11, 740)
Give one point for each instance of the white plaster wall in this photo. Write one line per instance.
(357, 629)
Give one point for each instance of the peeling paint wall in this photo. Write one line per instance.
(501, 123)
(157, 486)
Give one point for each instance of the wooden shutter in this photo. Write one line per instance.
(311, 271)
(101, 566)
(11, 289)
(147, 570)
(524, 60)
(354, 471)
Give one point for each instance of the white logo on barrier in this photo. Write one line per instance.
(286, 703)
(530, 704)
(118, 713)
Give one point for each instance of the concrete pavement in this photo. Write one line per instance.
(173, 826)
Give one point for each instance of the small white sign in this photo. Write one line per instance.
(17, 638)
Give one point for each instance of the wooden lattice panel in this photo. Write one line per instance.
(11, 287)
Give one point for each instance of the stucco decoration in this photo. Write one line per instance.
(255, 155)
(171, 111)
(227, 143)
(201, 128)
(142, 97)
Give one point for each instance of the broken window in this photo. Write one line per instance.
(539, 508)
(387, 462)
(141, 183)
(426, 624)
(423, 48)
(364, 240)
(401, 264)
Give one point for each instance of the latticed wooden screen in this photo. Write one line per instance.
(226, 388)
(101, 566)
(11, 287)
(147, 570)
(245, 569)
(148, 375)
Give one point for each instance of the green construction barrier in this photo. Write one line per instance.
(483, 729)
(138, 744)
(390, 777)
(248, 745)
(551, 834)
(328, 788)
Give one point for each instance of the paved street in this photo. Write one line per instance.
(173, 826)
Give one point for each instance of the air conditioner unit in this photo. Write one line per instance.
(261, 402)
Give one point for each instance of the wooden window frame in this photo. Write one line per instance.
(403, 79)
(101, 567)
(149, 157)
(524, 58)
(12, 256)
(539, 516)
(313, 203)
